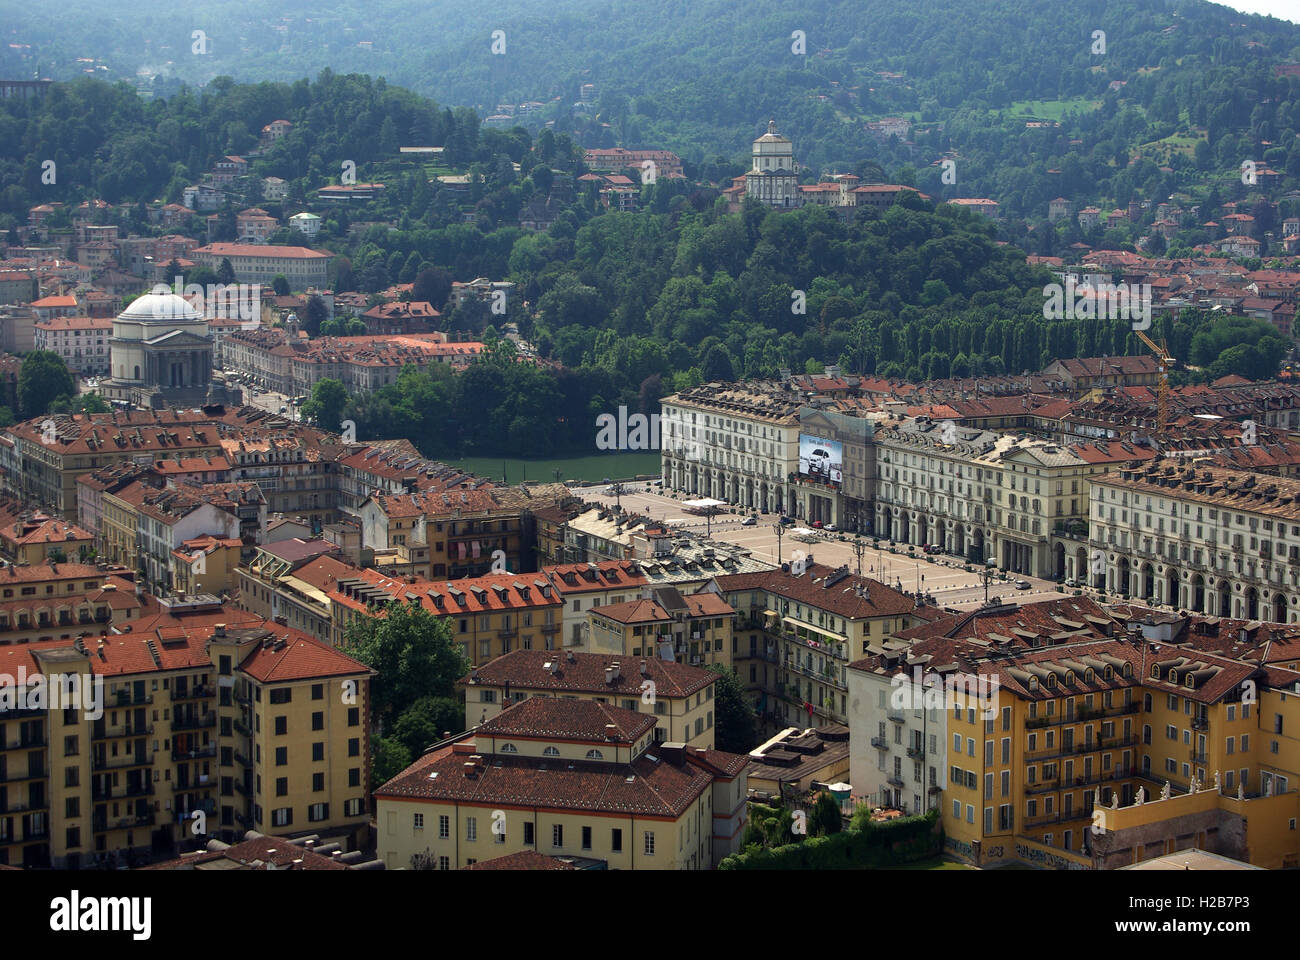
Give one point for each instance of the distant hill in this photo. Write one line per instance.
(1024, 95)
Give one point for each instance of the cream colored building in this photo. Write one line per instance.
(733, 442)
(565, 778)
(1200, 538)
(680, 697)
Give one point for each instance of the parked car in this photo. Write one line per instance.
(787, 520)
(1071, 582)
(1023, 585)
(831, 527)
(748, 522)
(817, 524)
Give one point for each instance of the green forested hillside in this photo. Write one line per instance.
(702, 76)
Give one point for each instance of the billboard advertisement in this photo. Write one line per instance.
(821, 459)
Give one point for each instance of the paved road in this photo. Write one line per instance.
(941, 575)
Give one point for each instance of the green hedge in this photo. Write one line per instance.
(877, 845)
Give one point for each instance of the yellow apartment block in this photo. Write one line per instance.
(183, 729)
(489, 615)
(693, 628)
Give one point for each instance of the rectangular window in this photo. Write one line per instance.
(444, 827)
(648, 846)
(471, 828)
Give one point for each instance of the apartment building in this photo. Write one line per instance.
(60, 601)
(48, 471)
(582, 587)
(680, 697)
(35, 538)
(1199, 537)
(143, 525)
(565, 778)
(81, 342)
(288, 581)
(296, 469)
(199, 730)
(1045, 714)
(456, 531)
(985, 495)
(206, 565)
(814, 623)
(489, 615)
(733, 442)
(262, 263)
(692, 628)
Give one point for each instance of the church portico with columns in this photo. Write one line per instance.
(161, 356)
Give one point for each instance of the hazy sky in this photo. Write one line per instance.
(1282, 9)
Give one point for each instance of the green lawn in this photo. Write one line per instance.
(616, 466)
(1051, 109)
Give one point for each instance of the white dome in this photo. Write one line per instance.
(159, 307)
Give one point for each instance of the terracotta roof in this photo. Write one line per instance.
(585, 672)
(586, 721)
(523, 860)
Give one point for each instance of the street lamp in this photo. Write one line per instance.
(987, 576)
(779, 528)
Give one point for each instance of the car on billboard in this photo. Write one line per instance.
(819, 462)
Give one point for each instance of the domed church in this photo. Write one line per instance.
(161, 356)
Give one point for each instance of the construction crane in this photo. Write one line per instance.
(1164, 360)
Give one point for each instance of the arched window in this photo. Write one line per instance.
(595, 755)
(509, 748)
(137, 372)
(551, 752)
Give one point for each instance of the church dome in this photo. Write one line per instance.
(160, 307)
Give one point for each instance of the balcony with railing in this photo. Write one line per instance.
(895, 780)
(828, 644)
(138, 759)
(130, 698)
(192, 693)
(194, 753)
(880, 743)
(102, 825)
(102, 731)
(1088, 746)
(30, 742)
(916, 753)
(141, 789)
(194, 721)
